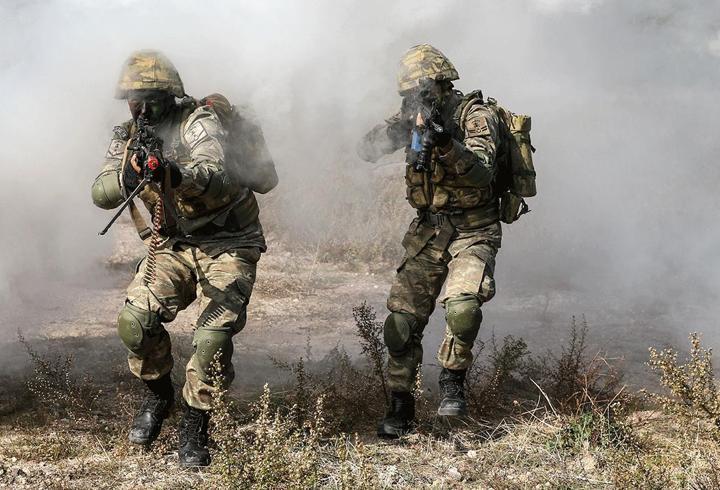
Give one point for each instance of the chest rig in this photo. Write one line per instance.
(438, 190)
(225, 207)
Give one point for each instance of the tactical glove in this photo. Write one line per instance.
(441, 139)
(130, 178)
(175, 174)
(438, 134)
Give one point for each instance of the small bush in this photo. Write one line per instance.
(568, 383)
(355, 392)
(574, 382)
(54, 386)
(274, 447)
(370, 333)
(272, 451)
(598, 428)
(692, 385)
(489, 385)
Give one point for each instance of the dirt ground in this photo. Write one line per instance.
(299, 301)
(301, 307)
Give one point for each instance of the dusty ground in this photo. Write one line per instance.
(300, 307)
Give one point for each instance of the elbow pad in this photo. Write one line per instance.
(106, 191)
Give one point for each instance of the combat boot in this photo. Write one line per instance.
(452, 390)
(159, 399)
(193, 437)
(399, 418)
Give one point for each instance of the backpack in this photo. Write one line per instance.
(247, 159)
(515, 179)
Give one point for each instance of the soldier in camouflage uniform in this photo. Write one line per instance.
(209, 236)
(455, 237)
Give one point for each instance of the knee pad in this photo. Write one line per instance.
(398, 330)
(464, 316)
(207, 344)
(137, 327)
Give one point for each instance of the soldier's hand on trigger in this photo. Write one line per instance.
(435, 131)
(163, 165)
(158, 174)
(135, 165)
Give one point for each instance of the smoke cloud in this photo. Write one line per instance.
(623, 96)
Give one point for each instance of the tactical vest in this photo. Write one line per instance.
(438, 191)
(225, 205)
(441, 191)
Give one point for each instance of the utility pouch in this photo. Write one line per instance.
(521, 160)
(512, 207)
(416, 238)
(516, 171)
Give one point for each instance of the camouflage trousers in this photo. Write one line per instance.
(225, 282)
(466, 259)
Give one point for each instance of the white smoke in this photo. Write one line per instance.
(623, 96)
(714, 45)
(554, 6)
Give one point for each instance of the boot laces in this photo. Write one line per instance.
(153, 403)
(453, 389)
(194, 427)
(399, 404)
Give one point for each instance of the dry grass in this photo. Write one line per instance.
(559, 420)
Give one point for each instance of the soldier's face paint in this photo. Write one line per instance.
(153, 104)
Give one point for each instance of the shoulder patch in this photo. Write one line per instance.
(195, 134)
(476, 126)
(120, 133)
(116, 148)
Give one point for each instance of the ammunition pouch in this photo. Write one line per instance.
(512, 207)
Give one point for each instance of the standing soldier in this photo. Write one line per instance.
(451, 142)
(205, 232)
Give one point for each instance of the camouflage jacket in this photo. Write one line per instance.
(462, 173)
(206, 208)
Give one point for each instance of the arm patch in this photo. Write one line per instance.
(116, 149)
(477, 126)
(195, 134)
(479, 122)
(120, 133)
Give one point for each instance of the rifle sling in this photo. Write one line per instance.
(143, 230)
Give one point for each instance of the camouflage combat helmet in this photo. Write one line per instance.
(423, 61)
(149, 70)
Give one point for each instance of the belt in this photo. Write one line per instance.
(463, 218)
(437, 220)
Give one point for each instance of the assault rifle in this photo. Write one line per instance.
(426, 138)
(147, 148)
